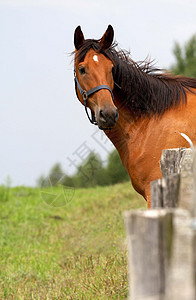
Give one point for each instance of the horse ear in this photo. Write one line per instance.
(78, 38)
(107, 38)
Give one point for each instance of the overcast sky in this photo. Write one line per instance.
(41, 120)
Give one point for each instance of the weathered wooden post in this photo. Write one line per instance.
(186, 191)
(170, 161)
(149, 235)
(180, 281)
(167, 191)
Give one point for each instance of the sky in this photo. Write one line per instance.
(42, 122)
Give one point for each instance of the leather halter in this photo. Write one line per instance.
(86, 94)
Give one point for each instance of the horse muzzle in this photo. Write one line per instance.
(107, 117)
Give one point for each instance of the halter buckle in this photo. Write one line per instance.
(84, 95)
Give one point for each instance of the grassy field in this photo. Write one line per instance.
(75, 251)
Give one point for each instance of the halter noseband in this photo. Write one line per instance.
(86, 94)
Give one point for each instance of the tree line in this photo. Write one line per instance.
(91, 172)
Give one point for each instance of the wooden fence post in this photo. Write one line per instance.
(149, 235)
(170, 160)
(173, 187)
(180, 279)
(165, 191)
(186, 191)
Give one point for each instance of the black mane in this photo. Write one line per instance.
(144, 89)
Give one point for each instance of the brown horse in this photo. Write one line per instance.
(140, 109)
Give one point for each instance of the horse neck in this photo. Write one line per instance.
(124, 131)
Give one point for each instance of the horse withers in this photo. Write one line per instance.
(141, 109)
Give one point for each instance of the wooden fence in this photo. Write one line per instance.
(162, 240)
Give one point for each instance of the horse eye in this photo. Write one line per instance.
(82, 70)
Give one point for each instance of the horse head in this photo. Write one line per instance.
(94, 78)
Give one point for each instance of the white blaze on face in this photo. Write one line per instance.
(95, 58)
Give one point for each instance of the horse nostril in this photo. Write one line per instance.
(101, 115)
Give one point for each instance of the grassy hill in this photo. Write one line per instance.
(64, 244)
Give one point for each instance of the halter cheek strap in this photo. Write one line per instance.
(86, 94)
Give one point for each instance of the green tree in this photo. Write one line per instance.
(40, 181)
(69, 181)
(56, 174)
(185, 58)
(115, 169)
(55, 177)
(91, 172)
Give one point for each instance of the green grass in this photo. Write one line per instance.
(76, 251)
